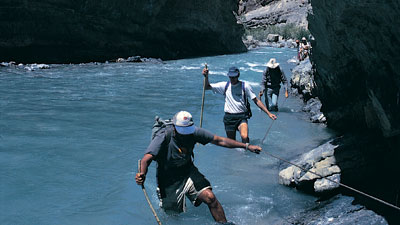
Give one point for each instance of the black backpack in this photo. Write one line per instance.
(249, 114)
(159, 124)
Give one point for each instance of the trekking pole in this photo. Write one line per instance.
(147, 197)
(202, 99)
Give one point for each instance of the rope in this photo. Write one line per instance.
(269, 128)
(340, 184)
(343, 185)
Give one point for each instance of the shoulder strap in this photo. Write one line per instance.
(165, 144)
(244, 92)
(226, 86)
(168, 134)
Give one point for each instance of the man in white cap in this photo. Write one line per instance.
(236, 107)
(272, 78)
(177, 176)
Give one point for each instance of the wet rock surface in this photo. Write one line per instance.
(339, 210)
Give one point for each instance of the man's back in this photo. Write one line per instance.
(274, 77)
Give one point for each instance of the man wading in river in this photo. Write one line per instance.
(271, 84)
(237, 107)
(177, 176)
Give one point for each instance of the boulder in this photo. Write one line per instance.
(273, 37)
(321, 161)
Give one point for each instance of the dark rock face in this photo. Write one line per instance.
(356, 54)
(60, 31)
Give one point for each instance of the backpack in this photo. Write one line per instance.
(248, 113)
(161, 124)
(158, 125)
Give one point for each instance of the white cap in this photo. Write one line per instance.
(272, 63)
(183, 122)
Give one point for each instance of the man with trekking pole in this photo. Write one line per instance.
(237, 107)
(177, 176)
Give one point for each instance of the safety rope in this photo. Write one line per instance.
(305, 170)
(269, 128)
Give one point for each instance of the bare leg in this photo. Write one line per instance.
(231, 135)
(208, 197)
(244, 132)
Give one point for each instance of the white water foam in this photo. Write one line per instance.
(190, 68)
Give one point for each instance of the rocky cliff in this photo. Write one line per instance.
(356, 55)
(60, 31)
(262, 13)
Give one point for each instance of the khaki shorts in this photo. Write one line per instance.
(174, 195)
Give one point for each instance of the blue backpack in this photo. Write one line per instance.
(248, 113)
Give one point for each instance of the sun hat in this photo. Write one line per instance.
(233, 72)
(272, 63)
(183, 122)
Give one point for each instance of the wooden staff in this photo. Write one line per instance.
(202, 99)
(147, 197)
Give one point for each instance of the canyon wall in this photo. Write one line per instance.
(356, 57)
(65, 31)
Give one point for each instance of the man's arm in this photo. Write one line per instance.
(285, 83)
(229, 143)
(263, 108)
(263, 82)
(144, 164)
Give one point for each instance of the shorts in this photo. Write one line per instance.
(232, 121)
(173, 197)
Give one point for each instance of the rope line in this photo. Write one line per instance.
(343, 185)
(340, 184)
(269, 128)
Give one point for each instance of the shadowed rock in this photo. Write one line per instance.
(61, 31)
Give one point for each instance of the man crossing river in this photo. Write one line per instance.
(237, 108)
(177, 176)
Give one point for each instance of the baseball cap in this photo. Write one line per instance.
(183, 122)
(233, 72)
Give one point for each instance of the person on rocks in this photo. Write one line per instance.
(304, 49)
(271, 81)
(177, 176)
(237, 107)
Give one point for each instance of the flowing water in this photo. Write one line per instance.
(71, 135)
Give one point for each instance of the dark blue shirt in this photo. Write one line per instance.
(174, 156)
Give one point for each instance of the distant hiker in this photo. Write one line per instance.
(271, 84)
(304, 48)
(177, 176)
(237, 107)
